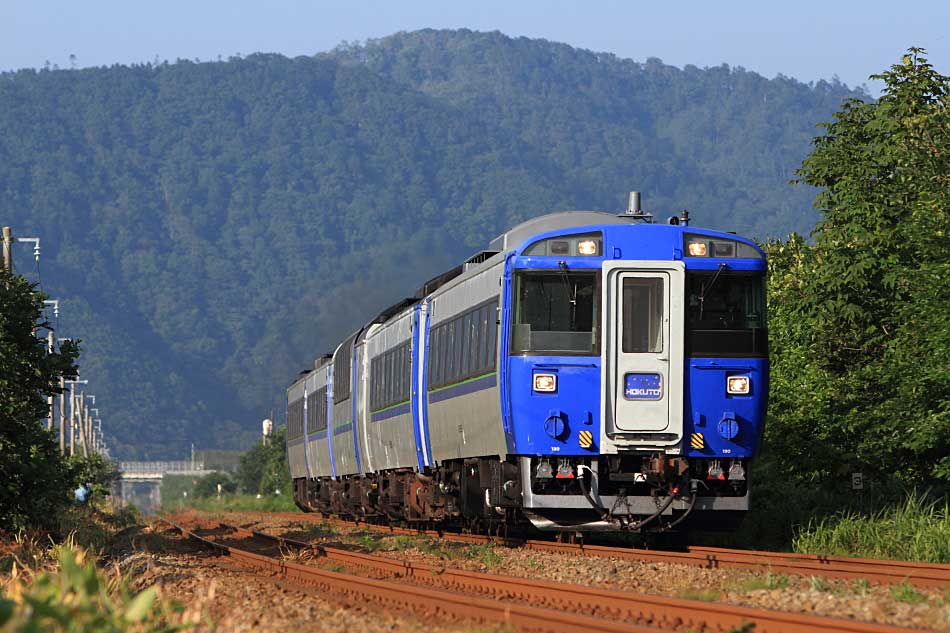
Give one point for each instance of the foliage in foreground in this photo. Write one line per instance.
(916, 530)
(74, 596)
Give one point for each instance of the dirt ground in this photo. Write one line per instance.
(224, 597)
(927, 609)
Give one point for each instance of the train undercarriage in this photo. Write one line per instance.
(635, 493)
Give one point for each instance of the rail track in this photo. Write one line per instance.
(835, 567)
(523, 603)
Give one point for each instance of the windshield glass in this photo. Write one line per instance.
(556, 312)
(725, 314)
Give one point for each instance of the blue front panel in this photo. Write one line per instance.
(709, 410)
(549, 423)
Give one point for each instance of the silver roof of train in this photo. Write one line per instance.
(552, 222)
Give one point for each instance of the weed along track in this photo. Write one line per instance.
(832, 567)
(527, 604)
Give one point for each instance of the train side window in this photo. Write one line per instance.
(400, 370)
(446, 354)
(436, 350)
(467, 365)
(390, 376)
(474, 341)
(485, 332)
(320, 402)
(406, 371)
(375, 369)
(435, 378)
(451, 342)
(460, 342)
(459, 339)
(492, 335)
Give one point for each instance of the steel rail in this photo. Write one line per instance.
(666, 613)
(418, 600)
(835, 567)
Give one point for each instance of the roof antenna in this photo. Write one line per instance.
(634, 212)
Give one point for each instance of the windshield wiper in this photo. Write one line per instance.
(572, 298)
(706, 287)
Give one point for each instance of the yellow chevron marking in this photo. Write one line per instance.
(585, 439)
(696, 440)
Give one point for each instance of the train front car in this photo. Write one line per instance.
(637, 371)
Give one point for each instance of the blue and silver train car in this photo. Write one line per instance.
(589, 371)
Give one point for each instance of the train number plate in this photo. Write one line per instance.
(642, 386)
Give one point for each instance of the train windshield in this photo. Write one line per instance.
(556, 312)
(725, 314)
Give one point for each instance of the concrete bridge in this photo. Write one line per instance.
(141, 482)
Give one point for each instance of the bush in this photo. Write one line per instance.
(207, 486)
(95, 470)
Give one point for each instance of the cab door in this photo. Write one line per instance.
(644, 351)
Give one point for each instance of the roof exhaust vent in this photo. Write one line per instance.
(633, 205)
(634, 212)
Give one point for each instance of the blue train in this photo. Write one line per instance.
(588, 371)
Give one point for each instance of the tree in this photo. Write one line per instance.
(862, 336)
(34, 479)
(263, 468)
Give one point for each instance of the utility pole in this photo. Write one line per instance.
(72, 423)
(72, 413)
(49, 399)
(8, 249)
(82, 422)
(62, 415)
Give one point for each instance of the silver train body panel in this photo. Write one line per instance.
(296, 455)
(464, 418)
(318, 449)
(387, 431)
(341, 419)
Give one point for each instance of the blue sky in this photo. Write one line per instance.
(807, 40)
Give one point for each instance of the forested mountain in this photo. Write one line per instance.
(212, 227)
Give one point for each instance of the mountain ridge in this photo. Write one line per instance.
(213, 227)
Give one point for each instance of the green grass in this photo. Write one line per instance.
(819, 583)
(905, 592)
(369, 542)
(324, 528)
(769, 581)
(485, 552)
(236, 503)
(861, 587)
(917, 530)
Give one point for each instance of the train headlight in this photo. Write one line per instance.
(738, 385)
(545, 383)
(697, 249)
(587, 247)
